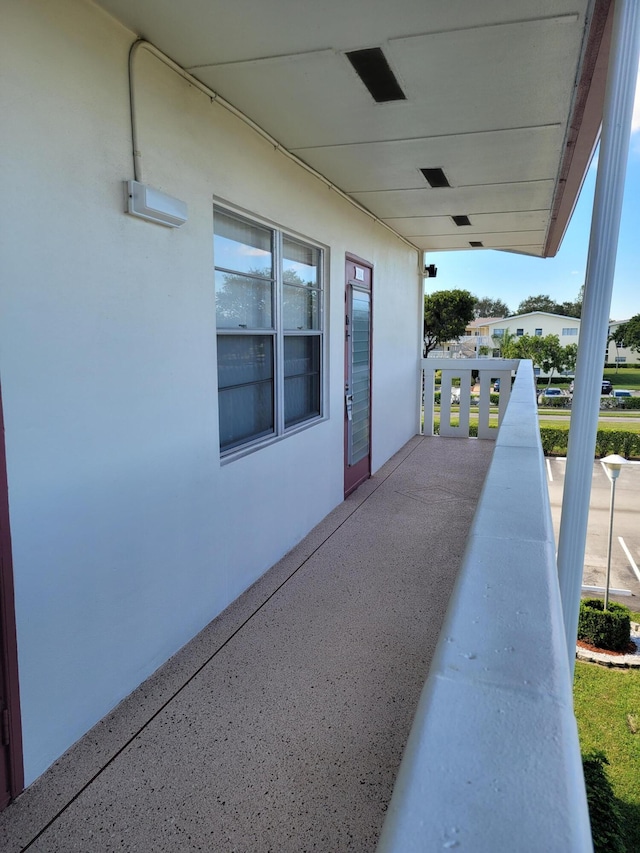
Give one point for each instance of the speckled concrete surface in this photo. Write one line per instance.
(281, 726)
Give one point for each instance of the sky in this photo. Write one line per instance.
(512, 277)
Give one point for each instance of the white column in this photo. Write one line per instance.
(612, 164)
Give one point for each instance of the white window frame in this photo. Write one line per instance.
(538, 333)
(278, 334)
(570, 330)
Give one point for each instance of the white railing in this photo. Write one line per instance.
(493, 762)
(489, 369)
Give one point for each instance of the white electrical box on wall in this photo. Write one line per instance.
(156, 206)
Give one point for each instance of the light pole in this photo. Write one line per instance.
(612, 465)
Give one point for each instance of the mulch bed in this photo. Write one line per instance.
(631, 649)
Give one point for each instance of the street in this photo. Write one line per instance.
(625, 551)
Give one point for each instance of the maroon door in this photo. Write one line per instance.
(11, 772)
(357, 384)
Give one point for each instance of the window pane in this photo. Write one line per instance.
(243, 359)
(302, 379)
(243, 302)
(245, 383)
(242, 246)
(300, 307)
(300, 263)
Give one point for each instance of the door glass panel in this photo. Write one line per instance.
(360, 375)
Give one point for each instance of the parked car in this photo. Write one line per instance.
(607, 387)
(496, 385)
(549, 392)
(619, 393)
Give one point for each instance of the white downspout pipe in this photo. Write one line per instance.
(605, 226)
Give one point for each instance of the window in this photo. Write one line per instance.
(538, 333)
(519, 332)
(498, 333)
(269, 327)
(621, 359)
(572, 331)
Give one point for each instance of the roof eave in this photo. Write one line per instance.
(584, 127)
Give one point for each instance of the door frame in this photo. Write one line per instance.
(8, 636)
(349, 281)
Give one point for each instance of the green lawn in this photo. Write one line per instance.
(623, 378)
(631, 426)
(607, 707)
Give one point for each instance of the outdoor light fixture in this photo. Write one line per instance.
(612, 465)
(153, 205)
(431, 271)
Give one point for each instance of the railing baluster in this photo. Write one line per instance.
(460, 368)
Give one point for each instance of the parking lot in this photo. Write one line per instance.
(625, 550)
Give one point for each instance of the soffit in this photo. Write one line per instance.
(490, 93)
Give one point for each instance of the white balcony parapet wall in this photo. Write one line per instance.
(493, 761)
(489, 370)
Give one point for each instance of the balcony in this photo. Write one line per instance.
(282, 726)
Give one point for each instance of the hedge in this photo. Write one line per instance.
(627, 444)
(620, 403)
(606, 629)
(630, 365)
(556, 402)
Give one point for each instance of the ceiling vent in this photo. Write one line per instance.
(372, 68)
(476, 244)
(461, 220)
(435, 178)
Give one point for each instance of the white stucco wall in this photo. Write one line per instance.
(128, 535)
(625, 354)
(551, 324)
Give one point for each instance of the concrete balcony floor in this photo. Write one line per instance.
(281, 726)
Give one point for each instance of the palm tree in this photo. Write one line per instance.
(506, 344)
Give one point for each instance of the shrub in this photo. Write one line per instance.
(627, 444)
(628, 402)
(555, 402)
(604, 814)
(617, 441)
(554, 439)
(606, 629)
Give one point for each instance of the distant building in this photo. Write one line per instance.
(619, 354)
(536, 324)
(484, 333)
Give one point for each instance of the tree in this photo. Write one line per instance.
(546, 353)
(570, 357)
(487, 307)
(542, 302)
(446, 315)
(628, 334)
(551, 355)
(506, 343)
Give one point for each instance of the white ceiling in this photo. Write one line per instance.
(491, 88)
